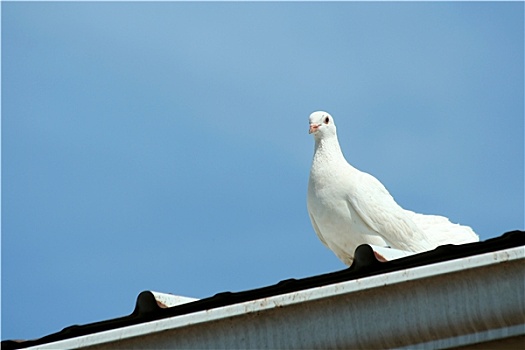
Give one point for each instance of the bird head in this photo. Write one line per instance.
(321, 124)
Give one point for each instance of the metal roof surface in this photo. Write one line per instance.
(365, 265)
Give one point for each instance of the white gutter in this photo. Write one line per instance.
(451, 303)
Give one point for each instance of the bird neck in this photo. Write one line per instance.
(328, 150)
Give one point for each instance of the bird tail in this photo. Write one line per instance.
(440, 231)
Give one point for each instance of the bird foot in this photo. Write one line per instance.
(380, 257)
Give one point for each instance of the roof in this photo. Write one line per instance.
(453, 295)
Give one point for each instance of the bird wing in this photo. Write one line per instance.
(441, 231)
(379, 211)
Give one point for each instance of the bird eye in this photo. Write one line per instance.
(326, 120)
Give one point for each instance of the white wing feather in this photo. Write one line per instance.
(440, 230)
(378, 209)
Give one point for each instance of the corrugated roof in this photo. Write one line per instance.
(147, 307)
(472, 301)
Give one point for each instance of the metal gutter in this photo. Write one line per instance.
(445, 304)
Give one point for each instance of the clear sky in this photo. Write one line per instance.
(164, 146)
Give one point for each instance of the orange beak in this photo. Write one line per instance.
(313, 128)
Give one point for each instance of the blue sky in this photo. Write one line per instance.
(164, 146)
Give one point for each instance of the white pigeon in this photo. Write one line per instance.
(348, 207)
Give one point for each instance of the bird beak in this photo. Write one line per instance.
(313, 128)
